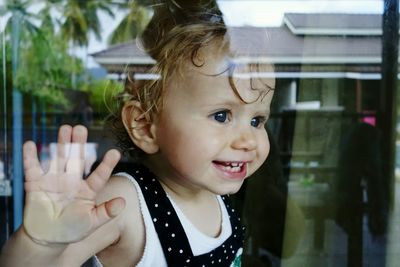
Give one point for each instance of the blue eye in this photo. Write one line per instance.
(221, 116)
(257, 121)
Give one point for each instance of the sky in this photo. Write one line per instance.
(258, 13)
(270, 13)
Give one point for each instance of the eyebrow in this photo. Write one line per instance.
(231, 103)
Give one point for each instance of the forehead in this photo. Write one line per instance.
(215, 71)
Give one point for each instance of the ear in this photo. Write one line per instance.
(139, 126)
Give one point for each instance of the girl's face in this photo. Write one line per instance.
(208, 138)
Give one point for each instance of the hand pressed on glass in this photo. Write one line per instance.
(60, 205)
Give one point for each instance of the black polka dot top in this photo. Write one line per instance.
(174, 242)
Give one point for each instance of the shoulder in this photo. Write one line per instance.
(119, 186)
(131, 240)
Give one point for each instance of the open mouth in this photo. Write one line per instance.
(230, 166)
(231, 169)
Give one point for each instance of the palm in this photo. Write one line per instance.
(60, 205)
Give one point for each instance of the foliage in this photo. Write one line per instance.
(46, 66)
(103, 95)
(80, 18)
(132, 24)
(20, 8)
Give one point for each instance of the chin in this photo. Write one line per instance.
(228, 190)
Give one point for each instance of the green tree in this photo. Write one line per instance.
(20, 9)
(81, 18)
(102, 95)
(133, 23)
(46, 64)
(47, 67)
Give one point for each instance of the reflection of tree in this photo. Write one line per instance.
(46, 67)
(45, 40)
(46, 63)
(102, 93)
(79, 19)
(132, 24)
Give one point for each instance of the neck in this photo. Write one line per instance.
(176, 186)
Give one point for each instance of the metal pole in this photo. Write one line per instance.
(388, 92)
(5, 129)
(17, 100)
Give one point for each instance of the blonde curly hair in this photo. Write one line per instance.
(173, 38)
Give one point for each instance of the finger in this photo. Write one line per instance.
(106, 211)
(58, 157)
(75, 162)
(64, 138)
(79, 134)
(76, 159)
(32, 167)
(102, 173)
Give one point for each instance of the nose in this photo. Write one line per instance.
(244, 139)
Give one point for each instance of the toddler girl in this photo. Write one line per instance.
(197, 130)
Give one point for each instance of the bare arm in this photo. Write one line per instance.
(60, 206)
(20, 250)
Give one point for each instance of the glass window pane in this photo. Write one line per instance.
(327, 194)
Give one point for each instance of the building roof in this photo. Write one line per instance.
(334, 24)
(126, 53)
(293, 43)
(281, 46)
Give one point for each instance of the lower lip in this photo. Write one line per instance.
(232, 175)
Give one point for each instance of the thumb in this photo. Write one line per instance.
(106, 211)
(114, 206)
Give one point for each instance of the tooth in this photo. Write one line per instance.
(233, 167)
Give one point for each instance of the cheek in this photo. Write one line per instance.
(264, 147)
(199, 143)
(180, 142)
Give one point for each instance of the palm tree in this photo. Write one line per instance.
(133, 23)
(81, 18)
